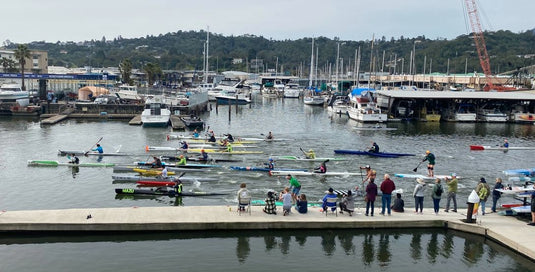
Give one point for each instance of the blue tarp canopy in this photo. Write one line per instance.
(359, 91)
(314, 89)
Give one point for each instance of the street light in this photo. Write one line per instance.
(337, 61)
(414, 59)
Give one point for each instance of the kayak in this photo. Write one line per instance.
(501, 148)
(198, 150)
(183, 179)
(190, 137)
(88, 153)
(191, 165)
(424, 176)
(196, 159)
(156, 183)
(516, 190)
(57, 163)
(151, 172)
(378, 154)
(294, 158)
(511, 205)
(132, 191)
(303, 173)
(522, 209)
(517, 179)
(205, 146)
(518, 172)
(130, 168)
(265, 169)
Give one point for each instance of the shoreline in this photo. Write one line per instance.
(505, 230)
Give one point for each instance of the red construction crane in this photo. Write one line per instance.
(479, 40)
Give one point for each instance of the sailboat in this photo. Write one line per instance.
(312, 96)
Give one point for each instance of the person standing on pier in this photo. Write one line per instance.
(437, 195)
(452, 192)
(387, 186)
(419, 193)
(496, 194)
(430, 158)
(532, 223)
(482, 191)
(371, 194)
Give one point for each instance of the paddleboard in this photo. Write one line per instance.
(414, 176)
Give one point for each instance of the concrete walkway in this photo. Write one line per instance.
(506, 230)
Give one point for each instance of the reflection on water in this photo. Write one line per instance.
(372, 250)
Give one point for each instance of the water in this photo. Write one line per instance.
(29, 188)
(315, 250)
(309, 127)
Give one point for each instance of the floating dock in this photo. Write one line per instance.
(506, 230)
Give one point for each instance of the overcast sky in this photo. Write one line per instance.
(23, 21)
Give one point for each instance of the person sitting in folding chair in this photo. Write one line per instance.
(348, 203)
(329, 201)
(244, 198)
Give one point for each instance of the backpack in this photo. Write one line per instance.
(439, 190)
(483, 192)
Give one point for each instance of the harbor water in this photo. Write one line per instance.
(302, 127)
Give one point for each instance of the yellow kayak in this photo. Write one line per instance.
(151, 172)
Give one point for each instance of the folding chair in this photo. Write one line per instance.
(244, 205)
(331, 204)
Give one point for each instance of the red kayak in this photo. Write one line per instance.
(512, 205)
(156, 183)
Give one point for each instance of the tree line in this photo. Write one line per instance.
(183, 50)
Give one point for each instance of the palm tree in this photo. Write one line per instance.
(125, 67)
(7, 64)
(21, 54)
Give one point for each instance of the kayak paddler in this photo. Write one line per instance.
(229, 147)
(310, 154)
(74, 159)
(505, 143)
(182, 160)
(204, 155)
(156, 163)
(322, 168)
(98, 149)
(374, 148)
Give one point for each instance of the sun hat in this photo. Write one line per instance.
(453, 174)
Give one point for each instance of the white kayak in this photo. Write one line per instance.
(500, 148)
(424, 176)
(304, 173)
(516, 190)
(190, 137)
(295, 158)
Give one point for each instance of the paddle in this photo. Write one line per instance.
(416, 168)
(303, 151)
(85, 154)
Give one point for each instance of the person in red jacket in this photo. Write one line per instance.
(387, 186)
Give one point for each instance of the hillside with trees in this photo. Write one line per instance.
(183, 50)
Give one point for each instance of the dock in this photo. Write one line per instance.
(136, 121)
(54, 119)
(508, 231)
(176, 123)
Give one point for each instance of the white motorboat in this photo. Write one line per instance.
(155, 114)
(338, 105)
(128, 93)
(492, 115)
(362, 107)
(464, 112)
(225, 98)
(12, 92)
(292, 90)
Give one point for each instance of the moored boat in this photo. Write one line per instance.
(156, 113)
(363, 106)
(12, 92)
(192, 121)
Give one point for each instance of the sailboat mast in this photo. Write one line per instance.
(206, 54)
(311, 65)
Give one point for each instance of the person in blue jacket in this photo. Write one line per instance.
(98, 149)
